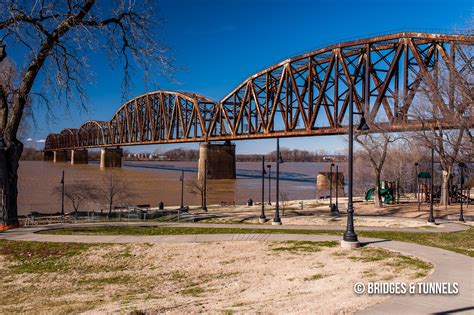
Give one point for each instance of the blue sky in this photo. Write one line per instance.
(217, 44)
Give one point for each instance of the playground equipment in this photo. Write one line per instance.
(386, 192)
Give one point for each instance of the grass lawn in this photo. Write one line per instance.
(459, 242)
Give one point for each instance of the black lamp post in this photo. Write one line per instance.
(461, 214)
(276, 219)
(269, 184)
(181, 179)
(336, 206)
(349, 235)
(62, 194)
(417, 186)
(262, 217)
(330, 188)
(204, 195)
(431, 219)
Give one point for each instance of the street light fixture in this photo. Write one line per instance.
(181, 179)
(461, 214)
(330, 188)
(417, 186)
(431, 219)
(336, 206)
(269, 184)
(350, 237)
(276, 219)
(263, 218)
(62, 194)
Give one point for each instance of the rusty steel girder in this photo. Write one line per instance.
(302, 96)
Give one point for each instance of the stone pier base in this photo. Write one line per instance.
(111, 158)
(218, 159)
(324, 179)
(79, 157)
(60, 156)
(48, 155)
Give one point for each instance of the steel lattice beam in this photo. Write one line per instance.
(301, 96)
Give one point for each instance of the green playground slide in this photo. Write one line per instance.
(369, 194)
(385, 193)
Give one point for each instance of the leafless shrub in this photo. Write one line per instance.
(78, 193)
(114, 189)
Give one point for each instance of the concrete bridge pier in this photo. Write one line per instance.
(324, 179)
(220, 160)
(48, 155)
(60, 156)
(111, 157)
(79, 157)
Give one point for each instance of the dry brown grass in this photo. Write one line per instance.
(191, 278)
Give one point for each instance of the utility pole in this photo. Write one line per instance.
(62, 194)
(262, 218)
(182, 189)
(431, 219)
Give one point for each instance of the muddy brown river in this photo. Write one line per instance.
(153, 182)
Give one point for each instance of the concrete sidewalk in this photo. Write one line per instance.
(449, 267)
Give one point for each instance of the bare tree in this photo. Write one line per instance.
(374, 149)
(196, 187)
(78, 193)
(400, 163)
(446, 102)
(114, 189)
(56, 38)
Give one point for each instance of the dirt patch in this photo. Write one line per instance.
(268, 277)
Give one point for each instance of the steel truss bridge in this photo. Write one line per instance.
(302, 96)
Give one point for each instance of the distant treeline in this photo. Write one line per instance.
(287, 155)
(181, 154)
(291, 156)
(31, 154)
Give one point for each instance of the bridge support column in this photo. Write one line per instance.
(220, 159)
(60, 156)
(79, 157)
(324, 179)
(48, 155)
(111, 158)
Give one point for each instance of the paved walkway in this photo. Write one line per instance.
(449, 266)
(443, 227)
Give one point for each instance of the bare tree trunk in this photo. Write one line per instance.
(9, 162)
(444, 197)
(377, 196)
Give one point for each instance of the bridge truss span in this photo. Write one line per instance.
(391, 78)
